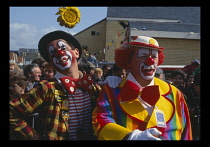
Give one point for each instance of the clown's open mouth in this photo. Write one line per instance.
(63, 61)
(148, 70)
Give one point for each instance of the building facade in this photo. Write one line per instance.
(177, 29)
(24, 56)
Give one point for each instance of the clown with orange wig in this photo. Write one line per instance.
(142, 107)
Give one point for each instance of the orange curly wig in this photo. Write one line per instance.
(123, 55)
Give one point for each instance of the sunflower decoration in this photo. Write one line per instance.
(69, 16)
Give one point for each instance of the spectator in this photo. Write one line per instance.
(98, 75)
(65, 109)
(117, 71)
(14, 68)
(18, 83)
(168, 78)
(178, 78)
(193, 101)
(197, 70)
(33, 73)
(49, 72)
(159, 73)
(189, 80)
(40, 62)
(188, 69)
(143, 107)
(84, 66)
(105, 69)
(92, 59)
(114, 77)
(92, 67)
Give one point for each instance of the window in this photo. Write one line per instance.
(93, 33)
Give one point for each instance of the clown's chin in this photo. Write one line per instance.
(148, 77)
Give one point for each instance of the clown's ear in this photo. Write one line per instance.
(77, 53)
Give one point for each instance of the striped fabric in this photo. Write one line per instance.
(79, 113)
(48, 96)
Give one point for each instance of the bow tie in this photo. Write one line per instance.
(149, 94)
(70, 84)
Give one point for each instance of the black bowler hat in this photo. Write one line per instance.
(46, 39)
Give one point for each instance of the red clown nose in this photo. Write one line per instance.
(149, 61)
(60, 53)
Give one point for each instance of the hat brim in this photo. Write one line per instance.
(138, 44)
(46, 39)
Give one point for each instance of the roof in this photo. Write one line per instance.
(189, 15)
(171, 19)
(171, 27)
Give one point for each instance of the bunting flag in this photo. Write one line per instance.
(108, 45)
(117, 36)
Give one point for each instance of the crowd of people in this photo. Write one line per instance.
(75, 99)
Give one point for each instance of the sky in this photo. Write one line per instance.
(29, 24)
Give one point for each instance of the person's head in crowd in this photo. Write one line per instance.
(196, 83)
(159, 73)
(48, 72)
(178, 77)
(117, 71)
(196, 63)
(168, 78)
(90, 54)
(18, 84)
(62, 51)
(189, 80)
(98, 73)
(38, 61)
(141, 58)
(105, 68)
(92, 67)
(84, 66)
(32, 72)
(14, 68)
(188, 69)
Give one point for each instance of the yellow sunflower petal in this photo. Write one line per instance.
(69, 16)
(62, 9)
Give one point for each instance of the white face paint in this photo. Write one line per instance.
(63, 60)
(66, 58)
(147, 71)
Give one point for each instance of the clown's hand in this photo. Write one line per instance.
(148, 134)
(113, 81)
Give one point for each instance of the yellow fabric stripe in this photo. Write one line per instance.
(112, 131)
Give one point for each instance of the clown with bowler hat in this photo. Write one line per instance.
(64, 105)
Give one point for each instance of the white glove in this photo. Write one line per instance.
(145, 135)
(113, 81)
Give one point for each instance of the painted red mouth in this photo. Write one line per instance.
(63, 61)
(147, 72)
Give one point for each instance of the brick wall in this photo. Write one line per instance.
(95, 43)
(177, 52)
(180, 51)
